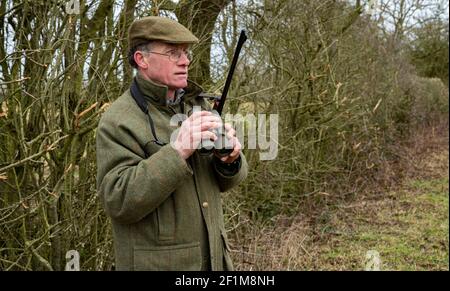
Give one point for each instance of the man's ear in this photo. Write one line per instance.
(140, 60)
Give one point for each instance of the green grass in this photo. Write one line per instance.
(407, 224)
(409, 228)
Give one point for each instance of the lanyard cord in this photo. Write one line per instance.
(140, 101)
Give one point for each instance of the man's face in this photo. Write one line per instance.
(164, 69)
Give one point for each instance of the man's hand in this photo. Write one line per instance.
(195, 129)
(231, 135)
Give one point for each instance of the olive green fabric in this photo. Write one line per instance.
(166, 212)
(161, 29)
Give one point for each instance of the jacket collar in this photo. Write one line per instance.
(157, 93)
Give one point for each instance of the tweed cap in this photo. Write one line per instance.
(159, 28)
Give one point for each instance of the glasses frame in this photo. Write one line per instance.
(174, 55)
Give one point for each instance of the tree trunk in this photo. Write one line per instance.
(200, 17)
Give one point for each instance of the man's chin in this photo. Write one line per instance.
(180, 84)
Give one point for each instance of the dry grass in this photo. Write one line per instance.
(278, 246)
(405, 220)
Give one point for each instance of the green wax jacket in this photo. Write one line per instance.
(166, 212)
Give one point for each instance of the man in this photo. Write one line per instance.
(164, 197)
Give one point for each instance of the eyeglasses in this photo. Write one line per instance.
(175, 55)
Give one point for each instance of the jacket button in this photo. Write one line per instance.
(205, 204)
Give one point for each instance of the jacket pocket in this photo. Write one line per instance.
(227, 262)
(185, 257)
(165, 215)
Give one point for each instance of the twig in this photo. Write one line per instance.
(87, 110)
(43, 261)
(50, 148)
(14, 81)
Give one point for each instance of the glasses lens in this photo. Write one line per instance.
(189, 55)
(175, 55)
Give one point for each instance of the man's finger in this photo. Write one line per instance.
(208, 135)
(236, 149)
(228, 126)
(231, 133)
(203, 119)
(200, 113)
(209, 125)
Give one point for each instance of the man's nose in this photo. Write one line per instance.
(184, 60)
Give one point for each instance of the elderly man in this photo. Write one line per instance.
(164, 197)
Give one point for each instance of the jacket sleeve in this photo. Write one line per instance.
(131, 186)
(226, 182)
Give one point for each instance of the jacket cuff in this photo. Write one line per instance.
(227, 169)
(179, 161)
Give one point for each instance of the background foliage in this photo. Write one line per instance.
(349, 83)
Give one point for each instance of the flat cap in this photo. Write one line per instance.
(159, 28)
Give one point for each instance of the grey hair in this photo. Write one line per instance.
(145, 47)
